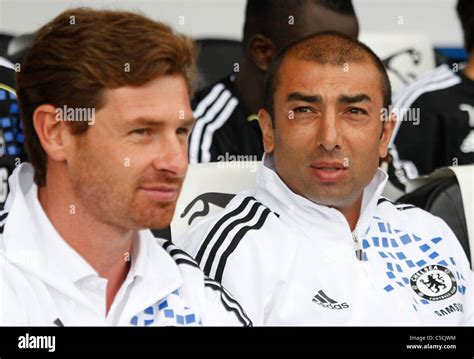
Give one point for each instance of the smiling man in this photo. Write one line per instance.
(73, 244)
(315, 243)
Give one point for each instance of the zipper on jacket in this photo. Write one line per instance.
(357, 248)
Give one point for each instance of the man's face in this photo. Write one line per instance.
(327, 137)
(128, 168)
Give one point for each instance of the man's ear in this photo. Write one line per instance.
(262, 51)
(387, 132)
(266, 125)
(51, 131)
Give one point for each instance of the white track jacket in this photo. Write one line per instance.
(43, 281)
(289, 261)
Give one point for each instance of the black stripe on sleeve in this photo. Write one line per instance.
(218, 225)
(398, 205)
(230, 304)
(188, 262)
(235, 242)
(174, 252)
(3, 216)
(405, 207)
(225, 233)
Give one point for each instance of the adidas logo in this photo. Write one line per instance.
(324, 301)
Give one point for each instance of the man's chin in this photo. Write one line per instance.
(155, 218)
(330, 198)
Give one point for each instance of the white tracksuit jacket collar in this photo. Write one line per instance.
(31, 241)
(271, 186)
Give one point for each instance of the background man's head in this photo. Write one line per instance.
(322, 120)
(465, 10)
(134, 75)
(272, 24)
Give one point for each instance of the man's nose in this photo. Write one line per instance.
(328, 132)
(171, 156)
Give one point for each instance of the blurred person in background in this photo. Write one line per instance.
(226, 120)
(442, 102)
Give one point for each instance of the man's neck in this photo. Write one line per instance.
(469, 69)
(249, 83)
(106, 248)
(352, 212)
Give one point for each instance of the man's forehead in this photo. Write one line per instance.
(298, 73)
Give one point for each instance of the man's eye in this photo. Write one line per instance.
(142, 131)
(357, 111)
(302, 109)
(182, 131)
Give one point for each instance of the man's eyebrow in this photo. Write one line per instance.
(154, 122)
(187, 122)
(354, 99)
(145, 121)
(298, 96)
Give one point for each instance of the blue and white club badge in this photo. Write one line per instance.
(434, 282)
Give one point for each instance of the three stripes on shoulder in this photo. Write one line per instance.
(211, 113)
(227, 233)
(229, 303)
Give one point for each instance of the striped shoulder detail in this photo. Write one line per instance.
(6, 63)
(3, 217)
(211, 113)
(403, 207)
(439, 79)
(398, 206)
(203, 105)
(179, 256)
(229, 302)
(226, 234)
(437, 74)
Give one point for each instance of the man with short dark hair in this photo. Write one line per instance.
(226, 121)
(106, 130)
(314, 243)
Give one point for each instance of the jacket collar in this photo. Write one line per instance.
(270, 185)
(31, 242)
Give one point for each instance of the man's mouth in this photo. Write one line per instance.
(328, 171)
(161, 193)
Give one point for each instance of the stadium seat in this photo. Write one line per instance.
(18, 46)
(4, 41)
(216, 59)
(208, 188)
(405, 56)
(448, 193)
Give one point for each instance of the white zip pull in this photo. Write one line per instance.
(357, 249)
(356, 241)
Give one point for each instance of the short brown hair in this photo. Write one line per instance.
(82, 52)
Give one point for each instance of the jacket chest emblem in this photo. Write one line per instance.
(434, 283)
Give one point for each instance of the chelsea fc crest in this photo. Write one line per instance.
(434, 283)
